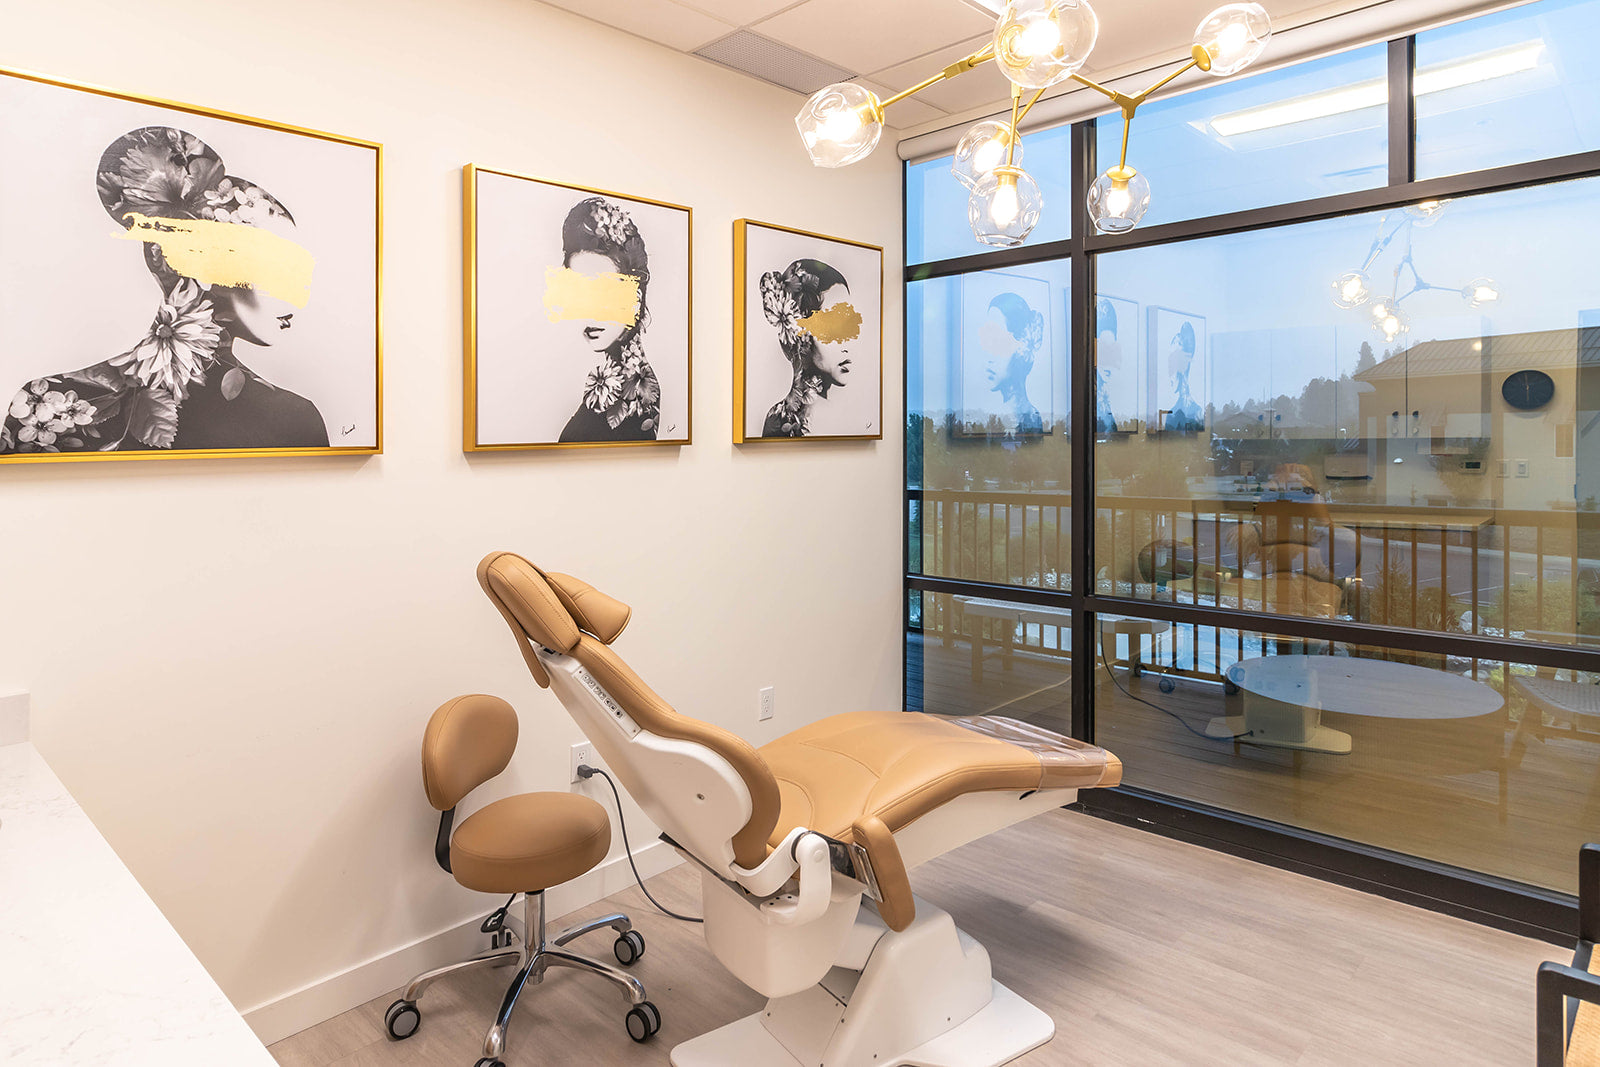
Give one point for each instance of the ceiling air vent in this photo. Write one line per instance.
(755, 55)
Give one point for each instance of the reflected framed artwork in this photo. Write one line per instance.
(183, 282)
(1178, 369)
(577, 316)
(1117, 365)
(1007, 362)
(807, 336)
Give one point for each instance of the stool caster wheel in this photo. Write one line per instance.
(487, 1062)
(629, 947)
(643, 1021)
(401, 1020)
(1166, 685)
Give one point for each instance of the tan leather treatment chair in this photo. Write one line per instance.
(790, 837)
(520, 844)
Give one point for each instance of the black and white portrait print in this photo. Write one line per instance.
(580, 310)
(809, 335)
(179, 283)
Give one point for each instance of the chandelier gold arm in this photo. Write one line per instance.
(960, 66)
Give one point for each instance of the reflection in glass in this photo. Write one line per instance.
(1313, 129)
(1424, 457)
(1487, 765)
(987, 445)
(1527, 74)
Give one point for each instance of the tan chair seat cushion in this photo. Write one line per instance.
(529, 842)
(899, 766)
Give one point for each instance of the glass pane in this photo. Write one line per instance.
(1507, 88)
(987, 441)
(981, 656)
(1261, 447)
(1313, 129)
(1486, 765)
(936, 204)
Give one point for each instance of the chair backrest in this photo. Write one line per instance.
(706, 787)
(468, 741)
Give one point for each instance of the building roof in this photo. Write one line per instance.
(1496, 354)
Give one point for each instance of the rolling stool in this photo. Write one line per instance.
(521, 844)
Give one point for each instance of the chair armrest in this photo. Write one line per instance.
(897, 908)
(1589, 892)
(1557, 982)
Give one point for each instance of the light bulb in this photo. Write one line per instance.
(1004, 206)
(1231, 37)
(982, 149)
(1118, 199)
(1040, 38)
(1351, 289)
(1389, 320)
(1038, 43)
(840, 124)
(1480, 292)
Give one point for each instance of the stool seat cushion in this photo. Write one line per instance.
(529, 842)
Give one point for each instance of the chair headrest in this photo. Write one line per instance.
(521, 590)
(595, 613)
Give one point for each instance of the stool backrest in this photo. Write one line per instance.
(468, 741)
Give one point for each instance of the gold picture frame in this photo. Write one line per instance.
(496, 319)
(282, 410)
(809, 387)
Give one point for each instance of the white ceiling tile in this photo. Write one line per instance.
(868, 35)
(658, 20)
(739, 12)
(906, 113)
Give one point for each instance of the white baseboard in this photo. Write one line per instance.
(327, 997)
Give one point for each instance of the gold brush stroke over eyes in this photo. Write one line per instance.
(608, 297)
(841, 322)
(228, 254)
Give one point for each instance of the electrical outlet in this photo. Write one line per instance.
(769, 700)
(582, 753)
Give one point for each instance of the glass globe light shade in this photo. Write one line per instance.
(1118, 199)
(1038, 43)
(1232, 37)
(1352, 289)
(1425, 213)
(1481, 291)
(840, 124)
(1004, 207)
(982, 150)
(1389, 320)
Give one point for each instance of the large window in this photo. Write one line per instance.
(1302, 520)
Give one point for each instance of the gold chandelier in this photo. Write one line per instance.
(1037, 44)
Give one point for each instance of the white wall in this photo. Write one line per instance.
(232, 661)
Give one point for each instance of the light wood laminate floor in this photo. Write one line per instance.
(1146, 952)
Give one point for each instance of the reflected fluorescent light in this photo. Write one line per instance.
(1480, 68)
(993, 7)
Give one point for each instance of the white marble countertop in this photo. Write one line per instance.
(91, 972)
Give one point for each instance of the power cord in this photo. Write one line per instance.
(1165, 711)
(586, 772)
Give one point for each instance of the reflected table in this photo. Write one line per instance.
(1285, 696)
(1010, 613)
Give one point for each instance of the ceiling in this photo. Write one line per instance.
(890, 45)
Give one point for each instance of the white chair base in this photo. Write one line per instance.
(925, 997)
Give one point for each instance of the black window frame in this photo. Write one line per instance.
(1495, 901)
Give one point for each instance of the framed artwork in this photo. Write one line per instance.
(1178, 370)
(577, 316)
(807, 336)
(1007, 356)
(1118, 364)
(182, 282)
